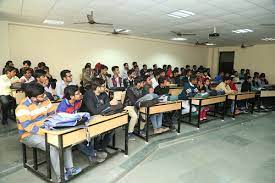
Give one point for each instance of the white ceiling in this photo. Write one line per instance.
(147, 18)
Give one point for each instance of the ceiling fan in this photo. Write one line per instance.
(179, 34)
(267, 25)
(245, 46)
(201, 43)
(91, 20)
(117, 32)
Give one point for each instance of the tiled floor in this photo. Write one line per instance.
(240, 151)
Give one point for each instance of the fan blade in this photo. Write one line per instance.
(99, 23)
(188, 34)
(81, 23)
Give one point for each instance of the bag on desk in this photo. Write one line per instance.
(62, 120)
(201, 95)
(147, 100)
(113, 109)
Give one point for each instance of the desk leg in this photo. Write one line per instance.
(215, 108)
(234, 107)
(224, 108)
(179, 119)
(34, 153)
(190, 110)
(199, 114)
(114, 139)
(253, 104)
(48, 157)
(147, 125)
(126, 139)
(24, 155)
(61, 157)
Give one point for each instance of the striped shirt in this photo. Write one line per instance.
(31, 116)
(65, 106)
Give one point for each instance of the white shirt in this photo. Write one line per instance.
(25, 80)
(124, 74)
(154, 82)
(5, 84)
(60, 86)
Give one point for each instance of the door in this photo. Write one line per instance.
(226, 61)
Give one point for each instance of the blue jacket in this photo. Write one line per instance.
(189, 90)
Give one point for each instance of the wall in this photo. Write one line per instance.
(260, 58)
(62, 49)
(4, 43)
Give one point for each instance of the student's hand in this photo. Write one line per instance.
(114, 102)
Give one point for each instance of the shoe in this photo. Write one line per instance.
(164, 129)
(131, 137)
(237, 112)
(157, 131)
(95, 159)
(142, 133)
(72, 171)
(101, 155)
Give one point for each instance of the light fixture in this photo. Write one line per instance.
(178, 39)
(53, 22)
(123, 30)
(268, 39)
(210, 44)
(241, 31)
(181, 14)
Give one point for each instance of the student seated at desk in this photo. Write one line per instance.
(189, 90)
(185, 79)
(224, 86)
(71, 104)
(116, 80)
(66, 79)
(219, 78)
(31, 114)
(6, 81)
(95, 101)
(27, 75)
(129, 81)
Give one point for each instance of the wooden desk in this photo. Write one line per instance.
(63, 138)
(200, 102)
(241, 96)
(267, 93)
(156, 109)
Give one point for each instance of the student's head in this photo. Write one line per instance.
(103, 69)
(126, 66)
(162, 72)
(66, 76)
(163, 82)
(247, 71)
(256, 75)
(35, 92)
(164, 67)
(157, 72)
(72, 92)
(221, 73)
(139, 82)
(207, 82)
(9, 63)
(98, 85)
(175, 73)
(205, 73)
(46, 82)
(134, 64)
(46, 69)
(10, 71)
(188, 72)
(88, 65)
(148, 79)
(235, 73)
(144, 66)
(248, 78)
(27, 64)
(193, 80)
(242, 71)
(131, 74)
(262, 76)
(136, 68)
(227, 80)
(41, 64)
(87, 70)
(27, 72)
(169, 67)
(155, 66)
(194, 67)
(187, 67)
(40, 76)
(115, 70)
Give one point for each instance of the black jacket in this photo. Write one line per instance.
(94, 104)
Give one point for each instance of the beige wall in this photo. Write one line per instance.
(69, 49)
(260, 58)
(4, 43)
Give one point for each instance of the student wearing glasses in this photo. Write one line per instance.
(67, 79)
